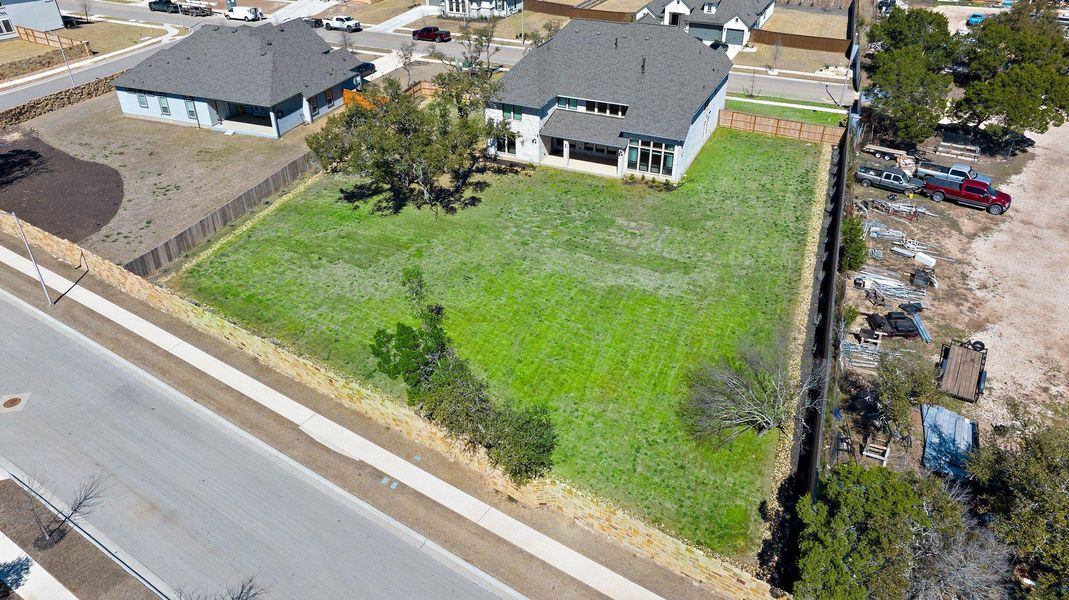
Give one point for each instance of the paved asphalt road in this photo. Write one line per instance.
(797, 89)
(191, 497)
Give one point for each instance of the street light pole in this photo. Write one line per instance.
(63, 53)
(36, 267)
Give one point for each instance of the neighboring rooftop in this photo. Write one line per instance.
(663, 74)
(748, 11)
(259, 66)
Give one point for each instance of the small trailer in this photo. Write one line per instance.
(961, 370)
(883, 151)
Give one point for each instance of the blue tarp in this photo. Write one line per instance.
(948, 440)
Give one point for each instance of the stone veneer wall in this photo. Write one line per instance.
(62, 99)
(598, 515)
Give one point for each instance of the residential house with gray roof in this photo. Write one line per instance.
(711, 21)
(612, 99)
(260, 81)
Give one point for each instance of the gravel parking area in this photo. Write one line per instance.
(172, 175)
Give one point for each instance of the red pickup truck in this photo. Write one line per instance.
(431, 34)
(970, 192)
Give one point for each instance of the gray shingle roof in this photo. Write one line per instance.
(663, 74)
(260, 66)
(748, 11)
(585, 127)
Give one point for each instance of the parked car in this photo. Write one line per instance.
(195, 10)
(366, 69)
(956, 172)
(970, 192)
(243, 13)
(894, 180)
(894, 324)
(431, 34)
(975, 19)
(313, 22)
(163, 6)
(343, 23)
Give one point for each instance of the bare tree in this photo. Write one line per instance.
(405, 52)
(247, 589)
(541, 36)
(86, 6)
(86, 499)
(777, 50)
(757, 391)
(346, 37)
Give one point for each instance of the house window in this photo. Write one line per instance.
(567, 103)
(506, 144)
(650, 157)
(330, 96)
(5, 25)
(142, 101)
(709, 8)
(511, 111)
(605, 108)
(165, 109)
(191, 111)
(312, 105)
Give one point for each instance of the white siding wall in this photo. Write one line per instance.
(737, 24)
(700, 130)
(130, 106)
(42, 15)
(766, 15)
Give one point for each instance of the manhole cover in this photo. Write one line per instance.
(12, 402)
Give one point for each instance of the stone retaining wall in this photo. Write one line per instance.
(32, 64)
(595, 514)
(36, 108)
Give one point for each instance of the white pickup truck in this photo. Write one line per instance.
(342, 23)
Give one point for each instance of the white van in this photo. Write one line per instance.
(244, 13)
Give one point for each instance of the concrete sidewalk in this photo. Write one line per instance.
(350, 444)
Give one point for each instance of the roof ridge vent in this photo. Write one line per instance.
(643, 65)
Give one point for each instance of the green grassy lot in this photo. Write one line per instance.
(785, 112)
(589, 296)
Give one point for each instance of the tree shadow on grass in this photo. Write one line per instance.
(19, 164)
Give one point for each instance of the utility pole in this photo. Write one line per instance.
(36, 267)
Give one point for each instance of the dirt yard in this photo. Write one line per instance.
(172, 175)
(1021, 266)
(83, 569)
(1000, 281)
(66, 196)
(827, 23)
(792, 59)
(957, 15)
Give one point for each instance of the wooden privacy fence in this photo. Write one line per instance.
(47, 38)
(820, 134)
(804, 42)
(574, 12)
(169, 251)
(422, 89)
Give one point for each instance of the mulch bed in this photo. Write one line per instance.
(63, 195)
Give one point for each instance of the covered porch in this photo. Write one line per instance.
(583, 142)
(246, 119)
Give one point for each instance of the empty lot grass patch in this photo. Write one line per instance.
(817, 117)
(104, 37)
(589, 296)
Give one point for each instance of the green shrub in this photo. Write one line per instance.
(523, 442)
(854, 251)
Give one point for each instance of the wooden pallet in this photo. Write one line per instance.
(878, 447)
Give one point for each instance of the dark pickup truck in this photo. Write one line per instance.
(431, 34)
(163, 6)
(895, 180)
(970, 192)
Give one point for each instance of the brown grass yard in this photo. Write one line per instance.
(625, 6)
(508, 28)
(816, 22)
(16, 49)
(370, 13)
(104, 37)
(793, 59)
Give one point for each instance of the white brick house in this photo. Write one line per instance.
(476, 9)
(612, 99)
